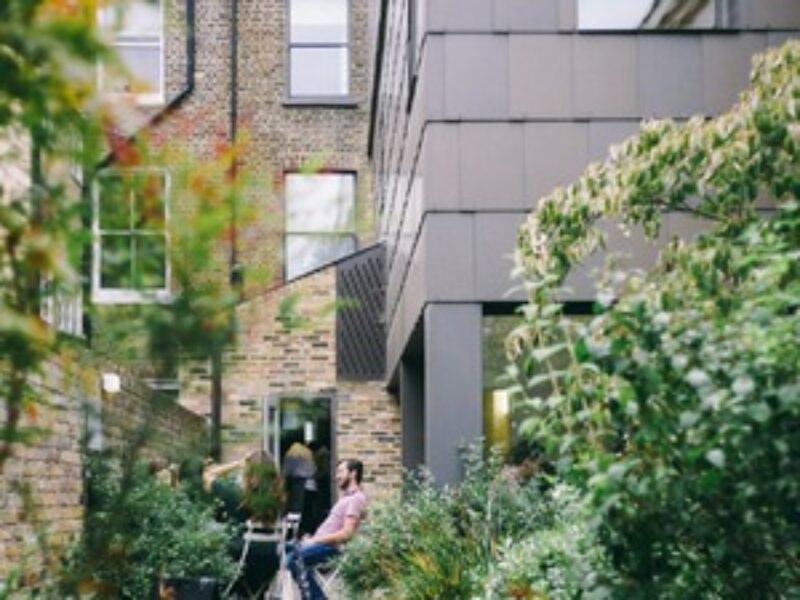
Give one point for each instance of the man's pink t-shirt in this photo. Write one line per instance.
(351, 504)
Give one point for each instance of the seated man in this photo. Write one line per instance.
(339, 527)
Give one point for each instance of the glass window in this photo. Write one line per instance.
(130, 236)
(503, 413)
(319, 50)
(320, 220)
(656, 14)
(135, 31)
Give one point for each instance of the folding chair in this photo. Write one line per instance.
(283, 586)
(252, 535)
(327, 575)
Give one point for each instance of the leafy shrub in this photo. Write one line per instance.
(137, 528)
(445, 543)
(678, 410)
(560, 561)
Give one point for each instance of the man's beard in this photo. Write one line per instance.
(344, 485)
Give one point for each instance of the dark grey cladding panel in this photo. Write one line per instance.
(670, 76)
(512, 15)
(360, 337)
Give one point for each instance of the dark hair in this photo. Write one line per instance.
(354, 465)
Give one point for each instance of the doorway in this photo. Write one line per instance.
(298, 432)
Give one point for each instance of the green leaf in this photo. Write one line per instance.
(688, 419)
(543, 354)
(716, 457)
(760, 412)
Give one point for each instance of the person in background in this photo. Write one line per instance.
(298, 472)
(342, 523)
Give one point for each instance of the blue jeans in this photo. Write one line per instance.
(307, 557)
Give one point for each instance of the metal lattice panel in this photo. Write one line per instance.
(360, 336)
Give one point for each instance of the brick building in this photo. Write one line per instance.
(293, 79)
(446, 119)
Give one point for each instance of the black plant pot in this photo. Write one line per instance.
(185, 588)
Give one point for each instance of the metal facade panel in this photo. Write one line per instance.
(670, 76)
(605, 76)
(459, 15)
(539, 81)
(516, 15)
(778, 14)
(492, 165)
(604, 134)
(452, 385)
(495, 240)
(476, 76)
(555, 154)
(360, 338)
(726, 68)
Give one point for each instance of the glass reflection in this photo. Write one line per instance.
(319, 72)
(653, 14)
(317, 203)
(306, 252)
(318, 21)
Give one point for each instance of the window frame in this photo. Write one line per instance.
(351, 233)
(101, 295)
(413, 50)
(156, 98)
(345, 100)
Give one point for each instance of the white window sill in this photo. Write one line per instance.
(118, 296)
(150, 99)
(141, 100)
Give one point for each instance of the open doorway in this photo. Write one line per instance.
(298, 431)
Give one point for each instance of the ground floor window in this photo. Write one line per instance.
(503, 413)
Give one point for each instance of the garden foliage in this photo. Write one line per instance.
(138, 529)
(494, 536)
(678, 410)
(48, 58)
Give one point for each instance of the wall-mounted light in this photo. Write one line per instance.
(111, 383)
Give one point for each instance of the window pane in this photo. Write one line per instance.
(304, 253)
(143, 65)
(319, 72)
(150, 270)
(132, 17)
(323, 202)
(114, 201)
(646, 14)
(148, 206)
(318, 21)
(115, 261)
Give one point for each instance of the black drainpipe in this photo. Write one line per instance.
(182, 95)
(236, 275)
(190, 64)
